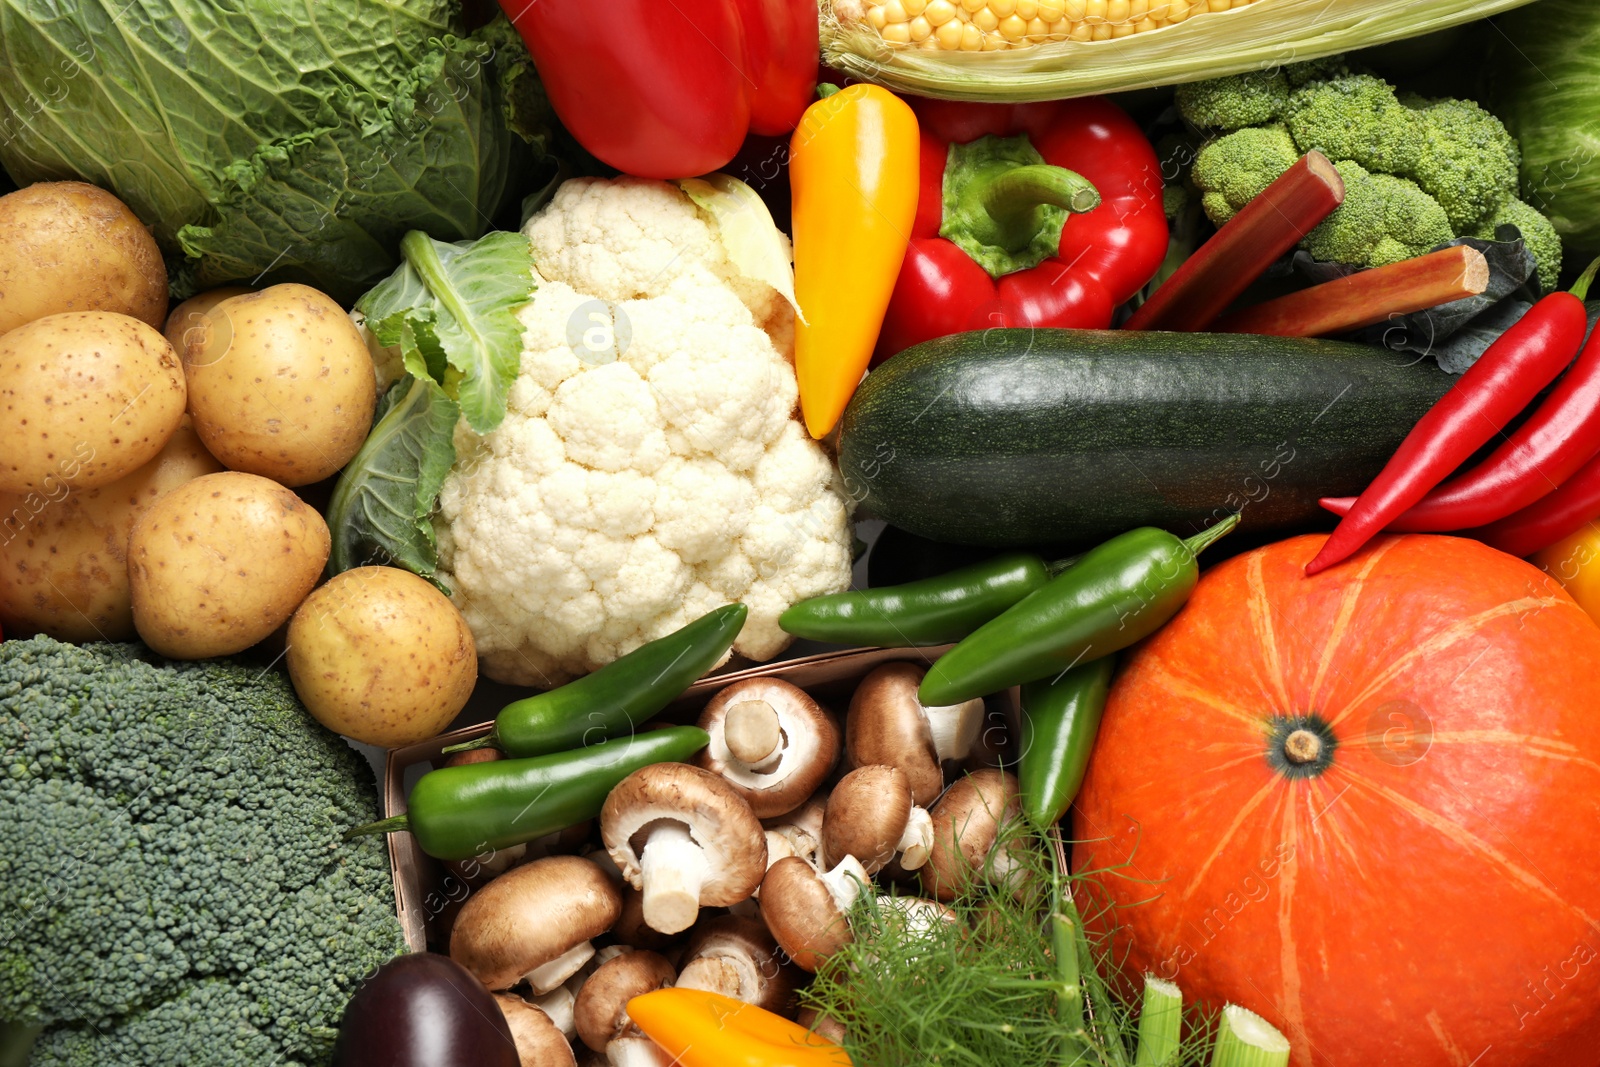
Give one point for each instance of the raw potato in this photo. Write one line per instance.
(280, 384)
(85, 398)
(220, 562)
(381, 656)
(67, 246)
(191, 314)
(64, 559)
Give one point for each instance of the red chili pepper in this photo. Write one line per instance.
(1520, 363)
(1044, 152)
(1557, 440)
(1550, 519)
(667, 90)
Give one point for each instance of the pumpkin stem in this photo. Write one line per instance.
(1302, 746)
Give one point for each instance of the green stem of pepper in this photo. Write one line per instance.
(617, 697)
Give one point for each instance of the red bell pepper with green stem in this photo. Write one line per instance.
(1506, 378)
(1046, 214)
(665, 90)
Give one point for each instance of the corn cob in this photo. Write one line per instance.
(994, 25)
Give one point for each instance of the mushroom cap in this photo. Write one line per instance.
(886, 726)
(802, 914)
(738, 957)
(966, 821)
(530, 915)
(807, 750)
(717, 817)
(602, 1008)
(539, 1042)
(867, 812)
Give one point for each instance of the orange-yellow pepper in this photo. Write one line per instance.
(703, 1029)
(1574, 561)
(853, 166)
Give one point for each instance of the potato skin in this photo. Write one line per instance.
(69, 246)
(64, 560)
(280, 384)
(191, 314)
(381, 656)
(220, 562)
(85, 398)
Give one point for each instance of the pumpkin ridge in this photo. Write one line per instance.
(1333, 823)
(1347, 610)
(1239, 819)
(1187, 689)
(1530, 744)
(1470, 842)
(1262, 623)
(1294, 1012)
(1440, 640)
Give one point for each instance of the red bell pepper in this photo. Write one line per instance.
(664, 90)
(1002, 207)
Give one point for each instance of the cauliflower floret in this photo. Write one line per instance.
(650, 466)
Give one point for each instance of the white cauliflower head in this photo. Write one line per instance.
(650, 466)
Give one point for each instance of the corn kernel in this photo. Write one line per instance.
(1003, 8)
(939, 12)
(1060, 29)
(921, 29)
(914, 7)
(1027, 10)
(1096, 12)
(949, 35)
(986, 19)
(1122, 29)
(1100, 31)
(929, 44)
(895, 11)
(1075, 10)
(876, 19)
(971, 38)
(1052, 10)
(1038, 30)
(1144, 25)
(1116, 12)
(993, 42)
(1177, 11)
(970, 6)
(1221, 5)
(1158, 10)
(897, 33)
(1012, 28)
(1138, 9)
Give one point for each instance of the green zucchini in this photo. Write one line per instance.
(1023, 437)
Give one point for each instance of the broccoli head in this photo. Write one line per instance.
(1350, 234)
(1234, 169)
(1466, 160)
(1236, 101)
(1414, 222)
(1538, 234)
(178, 892)
(1355, 117)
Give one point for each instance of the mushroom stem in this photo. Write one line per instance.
(779, 846)
(672, 870)
(917, 840)
(751, 731)
(954, 728)
(547, 976)
(633, 1049)
(732, 975)
(845, 882)
(557, 1004)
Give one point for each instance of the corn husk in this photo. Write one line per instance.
(1265, 34)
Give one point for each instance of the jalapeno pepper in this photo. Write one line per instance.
(1060, 718)
(932, 611)
(474, 809)
(1116, 594)
(618, 696)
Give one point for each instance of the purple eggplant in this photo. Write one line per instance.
(423, 1010)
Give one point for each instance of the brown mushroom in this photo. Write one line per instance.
(966, 824)
(630, 927)
(771, 741)
(539, 1042)
(799, 833)
(872, 817)
(888, 725)
(738, 958)
(535, 922)
(826, 1026)
(805, 909)
(685, 839)
(602, 1008)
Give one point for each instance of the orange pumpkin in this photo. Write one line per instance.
(1365, 805)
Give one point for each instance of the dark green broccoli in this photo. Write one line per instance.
(1236, 101)
(1350, 234)
(1466, 160)
(1355, 117)
(1538, 233)
(1232, 170)
(177, 890)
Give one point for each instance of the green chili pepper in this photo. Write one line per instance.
(471, 810)
(1060, 718)
(1115, 595)
(617, 697)
(932, 611)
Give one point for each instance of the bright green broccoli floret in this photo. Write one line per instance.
(177, 890)
(1231, 103)
(1466, 160)
(1355, 117)
(1356, 226)
(1538, 233)
(1232, 170)
(1414, 222)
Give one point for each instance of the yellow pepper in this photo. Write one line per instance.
(1575, 562)
(853, 167)
(701, 1029)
